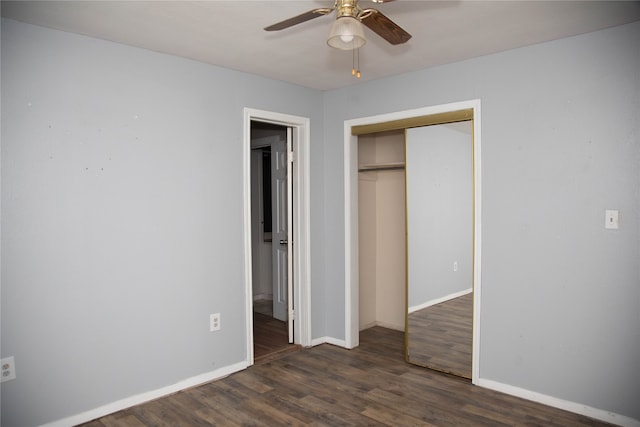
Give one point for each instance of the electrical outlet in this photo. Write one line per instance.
(455, 265)
(214, 322)
(8, 369)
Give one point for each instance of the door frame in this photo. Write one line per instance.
(351, 217)
(301, 229)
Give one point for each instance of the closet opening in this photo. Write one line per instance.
(381, 230)
(364, 166)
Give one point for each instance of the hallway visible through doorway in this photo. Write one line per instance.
(276, 270)
(270, 337)
(270, 236)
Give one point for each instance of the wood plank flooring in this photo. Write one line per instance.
(270, 338)
(270, 335)
(370, 385)
(440, 336)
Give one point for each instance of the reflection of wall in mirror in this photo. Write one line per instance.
(439, 212)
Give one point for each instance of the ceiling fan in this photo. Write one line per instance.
(346, 32)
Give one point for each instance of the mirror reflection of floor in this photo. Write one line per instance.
(440, 336)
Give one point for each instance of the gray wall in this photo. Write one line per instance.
(439, 213)
(561, 141)
(122, 214)
(122, 218)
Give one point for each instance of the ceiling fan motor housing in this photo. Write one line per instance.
(346, 8)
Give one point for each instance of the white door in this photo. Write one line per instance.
(281, 159)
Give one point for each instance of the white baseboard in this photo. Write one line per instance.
(566, 405)
(119, 405)
(328, 340)
(367, 326)
(258, 297)
(439, 300)
(382, 325)
(147, 396)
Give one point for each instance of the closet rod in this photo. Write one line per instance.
(381, 167)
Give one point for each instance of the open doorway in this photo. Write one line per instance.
(276, 159)
(382, 233)
(270, 240)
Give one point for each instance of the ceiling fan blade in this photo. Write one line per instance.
(298, 19)
(377, 22)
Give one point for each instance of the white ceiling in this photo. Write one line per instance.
(230, 33)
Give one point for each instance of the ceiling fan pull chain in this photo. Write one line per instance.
(353, 62)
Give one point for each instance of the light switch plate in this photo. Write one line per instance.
(611, 219)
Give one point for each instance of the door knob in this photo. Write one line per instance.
(283, 242)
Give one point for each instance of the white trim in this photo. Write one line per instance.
(439, 300)
(577, 408)
(146, 396)
(301, 231)
(328, 340)
(258, 297)
(383, 325)
(351, 217)
(351, 296)
(477, 239)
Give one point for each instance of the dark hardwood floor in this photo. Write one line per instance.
(370, 385)
(270, 335)
(440, 336)
(270, 338)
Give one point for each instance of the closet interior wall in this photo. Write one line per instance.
(381, 230)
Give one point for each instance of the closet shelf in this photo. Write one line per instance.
(381, 166)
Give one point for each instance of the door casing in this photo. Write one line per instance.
(300, 233)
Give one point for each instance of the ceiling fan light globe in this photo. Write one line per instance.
(346, 38)
(346, 34)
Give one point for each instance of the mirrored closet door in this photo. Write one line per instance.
(439, 221)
